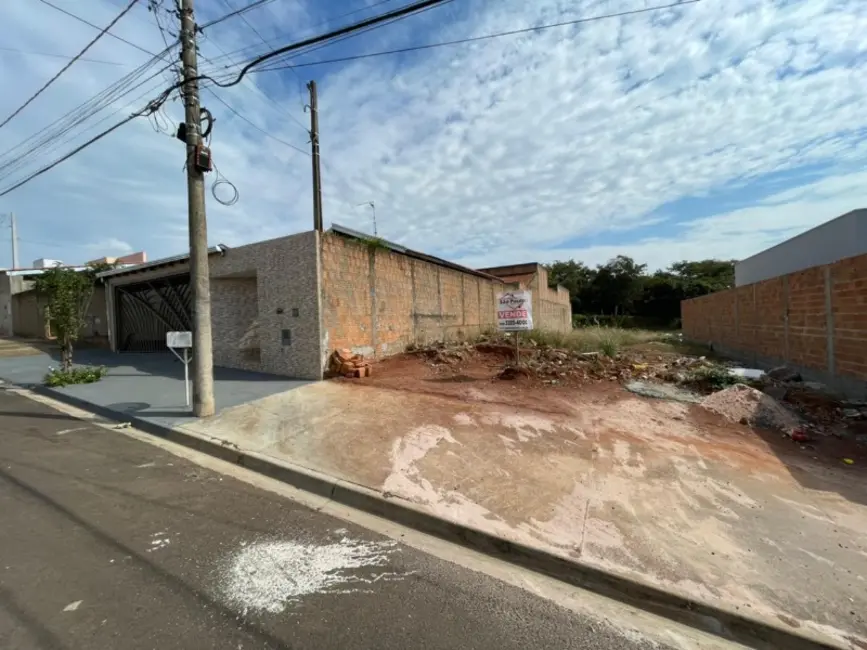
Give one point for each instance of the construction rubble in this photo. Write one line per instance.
(778, 399)
(344, 363)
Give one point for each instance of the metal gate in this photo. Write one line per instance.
(145, 311)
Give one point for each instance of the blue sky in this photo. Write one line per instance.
(716, 129)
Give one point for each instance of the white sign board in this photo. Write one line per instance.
(182, 341)
(514, 311)
(176, 340)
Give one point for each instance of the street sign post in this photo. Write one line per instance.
(182, 341)
(515, 314)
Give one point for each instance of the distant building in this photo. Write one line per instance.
(45, 263)
(133, 258)
(551, 306)
(832, 241)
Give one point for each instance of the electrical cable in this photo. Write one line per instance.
(83, 59)
(86, 22)
(353, 34)
(64, 124)
(354, 27)
(474, 39)
(262, 38)
(102, 33)
(254, 125)
(149, 108)
(222, 180)
(253, 88)
(320, 24)
(237, 12)
(156, 103)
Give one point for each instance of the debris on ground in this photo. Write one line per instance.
(346, 364)
(747, 405)
(747, 373)
(775, 399)
(663, 391)
(784, 374)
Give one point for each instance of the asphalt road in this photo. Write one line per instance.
(110, 542)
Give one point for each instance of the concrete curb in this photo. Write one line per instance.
(708, 618)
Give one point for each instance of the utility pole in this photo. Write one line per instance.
(372, 206)
(14, 227)
(314, 143)
(203, 359)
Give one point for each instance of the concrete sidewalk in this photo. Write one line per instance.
(147, 385)
(655, 491)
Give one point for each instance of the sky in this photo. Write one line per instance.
(714, 129)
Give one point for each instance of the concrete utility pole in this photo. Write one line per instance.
(314, 143)
(203, 360)
(14, 227)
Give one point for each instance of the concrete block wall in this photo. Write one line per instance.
(814, 319)
(376, 301)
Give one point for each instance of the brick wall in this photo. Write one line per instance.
(815, 319)
(375, 301)
(552, 308)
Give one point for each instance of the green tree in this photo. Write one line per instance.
(617, 285)
(577, 278)
(67, 294)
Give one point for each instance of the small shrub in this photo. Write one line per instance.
(608, 346)
(712, 377)
(57, 377)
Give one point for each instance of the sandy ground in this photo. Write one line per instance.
(662, 491)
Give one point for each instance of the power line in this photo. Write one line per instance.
(324, 22)
(86, 22)
(64, 124)
(102, 33)
(262, 38)
(148, 109)
(403, 12)
(473, 39)
(253, 124)
(60, 56)
(237, 12)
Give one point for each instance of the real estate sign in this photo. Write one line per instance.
(514, 311)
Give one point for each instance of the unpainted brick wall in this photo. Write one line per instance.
(815, 318)
(552, 308)
(377, 302)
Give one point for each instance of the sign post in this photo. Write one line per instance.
(515, 314)
(182, 341)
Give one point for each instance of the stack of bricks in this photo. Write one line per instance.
(343, 362)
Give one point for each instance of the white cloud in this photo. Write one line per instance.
(493, 152)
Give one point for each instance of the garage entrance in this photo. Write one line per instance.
(145, 311)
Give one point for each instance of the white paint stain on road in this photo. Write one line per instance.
(71, 607)
(158, 541)
(65, 431)
(269, 576)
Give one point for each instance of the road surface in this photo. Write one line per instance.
(110, 542)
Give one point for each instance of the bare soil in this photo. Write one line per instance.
(559, 382)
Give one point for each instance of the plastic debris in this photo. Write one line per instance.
(663, 391)
(747, 373)
(848, 461)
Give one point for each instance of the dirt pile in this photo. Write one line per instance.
(746, 405)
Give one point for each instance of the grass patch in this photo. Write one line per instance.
(83, 375)
(607, 340)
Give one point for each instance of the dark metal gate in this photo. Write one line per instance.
(145, 311)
